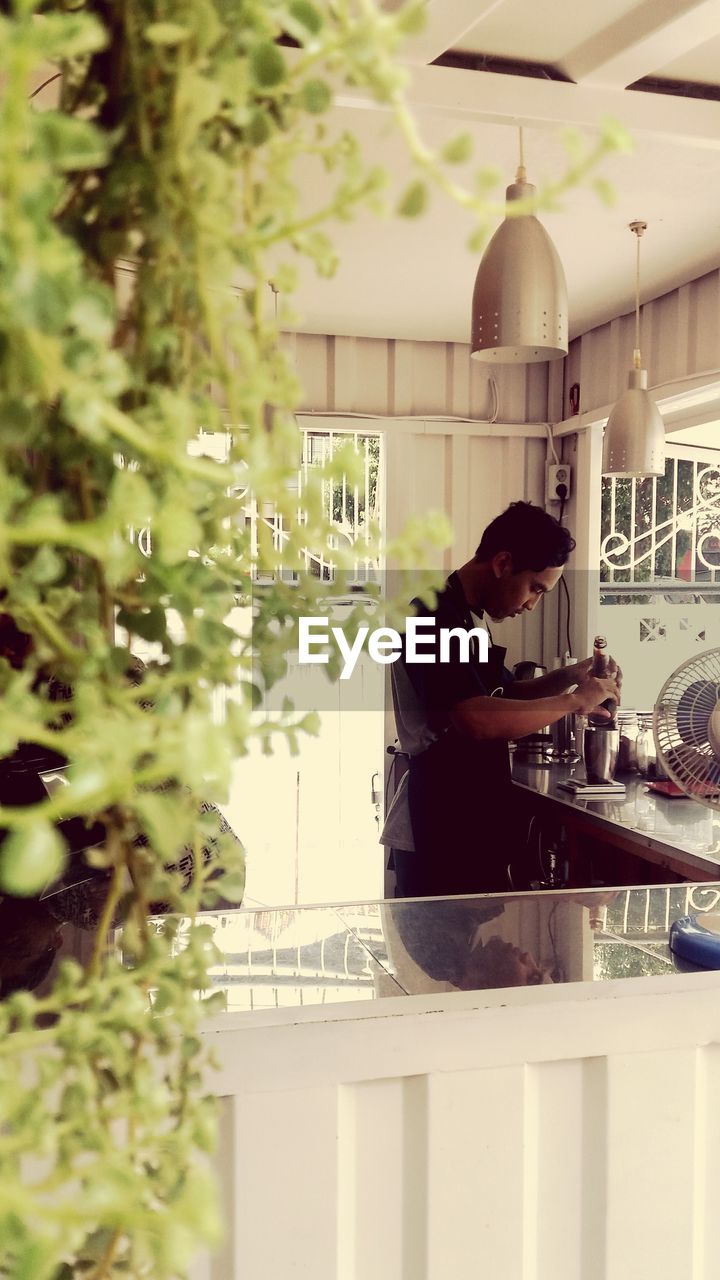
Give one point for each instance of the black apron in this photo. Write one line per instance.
(462, 811)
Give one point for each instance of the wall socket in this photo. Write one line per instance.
(558, 474)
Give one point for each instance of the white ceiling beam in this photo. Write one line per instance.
(446, 23)
(484, 96)
(643, 41)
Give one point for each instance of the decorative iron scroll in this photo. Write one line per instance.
(665, 529)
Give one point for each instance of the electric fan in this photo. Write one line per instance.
(686, 725)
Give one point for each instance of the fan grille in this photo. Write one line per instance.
(681, 724)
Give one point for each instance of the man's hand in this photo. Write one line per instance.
(593, 691)
(580, 670)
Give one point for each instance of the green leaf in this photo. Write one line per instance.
(307, 15)
(605, 190)
(150, 624)
(259, 127)
(168, 33)
(30, 859)
(616, 135)
(316, 96)
(414, 200)
(458, 150)
(72, 144)
(232, 885)
(267, 65)
(412, 18)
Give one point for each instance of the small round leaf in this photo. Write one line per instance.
(32, 857)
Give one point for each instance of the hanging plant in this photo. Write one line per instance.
(143, 213)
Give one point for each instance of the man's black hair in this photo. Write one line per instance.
(535, 539)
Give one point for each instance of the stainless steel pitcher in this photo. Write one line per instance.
(600, 752)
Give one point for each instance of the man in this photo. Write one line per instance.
(455, 719)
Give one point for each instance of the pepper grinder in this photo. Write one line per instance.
(600, 667)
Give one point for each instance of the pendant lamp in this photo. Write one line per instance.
(519, 306)
(634, 443)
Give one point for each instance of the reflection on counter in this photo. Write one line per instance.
(682, 824)
(309, 956)
(299, 956)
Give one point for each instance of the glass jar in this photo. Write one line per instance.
(627, 751)
(645, 748)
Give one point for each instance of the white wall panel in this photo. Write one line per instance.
(478, 1204)
(550, 1134)
(680, 337)
(393, 377)
(651, 1233)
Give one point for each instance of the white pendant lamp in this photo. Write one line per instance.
(634, 443)
(519, 306)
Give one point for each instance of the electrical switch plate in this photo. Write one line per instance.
(558, 474)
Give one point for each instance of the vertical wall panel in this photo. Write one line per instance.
(371, 386)
(705, 329)
(461, 370)
(399, 378)
(653, 1232)
(383, 1176)
(286, 1185)
(311, 363)
(430, 377)
(707, 1139)
(478, 1143)
(481, 395)
(558, 1097)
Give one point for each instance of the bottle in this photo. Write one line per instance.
(600, 668)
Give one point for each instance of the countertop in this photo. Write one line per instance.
(680, 832)
(313, 956)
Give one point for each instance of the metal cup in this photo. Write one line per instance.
(600, 752)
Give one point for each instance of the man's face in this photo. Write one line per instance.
(500, 964)
(514, 593)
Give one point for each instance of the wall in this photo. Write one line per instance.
(392, 377)
(679, 338)
(469, 469)
(680, 344)
(529, 1134)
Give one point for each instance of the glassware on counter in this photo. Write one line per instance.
(647, 761)
(627, 750)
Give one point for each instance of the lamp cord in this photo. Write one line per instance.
(637, 228)
(637, 295)
(564, 585)
(521, 173)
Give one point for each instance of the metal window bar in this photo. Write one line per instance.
(700, 515)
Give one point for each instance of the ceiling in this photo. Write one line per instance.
(487, 66)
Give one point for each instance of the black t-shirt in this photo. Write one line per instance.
(440, 685)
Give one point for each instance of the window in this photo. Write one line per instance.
(660, 568)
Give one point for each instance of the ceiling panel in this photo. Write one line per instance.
(541, 32)
(700, 66)
(414, 278)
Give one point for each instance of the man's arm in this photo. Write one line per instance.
(552, 684)
(505, 718)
